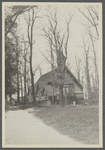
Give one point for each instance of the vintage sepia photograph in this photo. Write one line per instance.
(52, 75)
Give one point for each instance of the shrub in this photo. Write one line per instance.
(70, 99)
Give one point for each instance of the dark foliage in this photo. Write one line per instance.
(10, 67)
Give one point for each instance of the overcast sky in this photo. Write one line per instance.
(75, 39)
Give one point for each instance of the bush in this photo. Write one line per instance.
(93, 101)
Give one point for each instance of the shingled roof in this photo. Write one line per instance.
(44, 79)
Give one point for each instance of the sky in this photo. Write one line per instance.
(75, 37)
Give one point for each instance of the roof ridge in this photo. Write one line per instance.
(44, 75)
(67, 70)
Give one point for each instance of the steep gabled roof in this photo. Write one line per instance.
(74, 78)
(44, 79)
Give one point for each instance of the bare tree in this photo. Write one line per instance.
(58, 42)
(21, 82)
(17, 51)
(78, 67)
(92, 17)
(10, 19)
(30, 20)
(52, 69)
(86, 66)
(91, 29)
(94, 61)
(25, 56)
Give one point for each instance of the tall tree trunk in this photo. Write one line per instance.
(10, 94)
(21, 88)
(52, 76)
(32, 79)
(88, 79)
(17, 57)
(86, 57)
(30, 38)
(25, 81)
(18, 98)
(66, 101)
(61, 73)
(96, 71)
(79, 77)
(61, 94)
(52, 73)
(95, 62)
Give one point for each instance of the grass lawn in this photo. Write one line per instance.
(80, 123)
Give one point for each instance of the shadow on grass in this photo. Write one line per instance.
(78, 122)
(24, 107)
(19, 107)
(27, 106)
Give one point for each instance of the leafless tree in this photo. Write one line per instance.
(91, 29)
(18, 89)
(17, 51)
(52, 68)
(10, 18)
(30, 20)
(21, 82)
(25, 56)
(95, 61)
(58, 42)
(93, 18)
(78, 67)
(86, 48)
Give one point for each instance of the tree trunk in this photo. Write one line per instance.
(21, 88)
(79, 77)
(10, 95)
(18, 98)
(61, 62)
(52, 75)
(61, 94)
(95, 62)
(32, 80)
(31, 48)
(89, 89)
(88, 79)
(25, 100)
(96, 71)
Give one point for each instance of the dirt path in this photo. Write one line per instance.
(21, 127)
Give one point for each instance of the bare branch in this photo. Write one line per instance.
(47, 59)
(85, 16)
(94, 24)
(16, 16)
(91, 20)
(95, 12)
